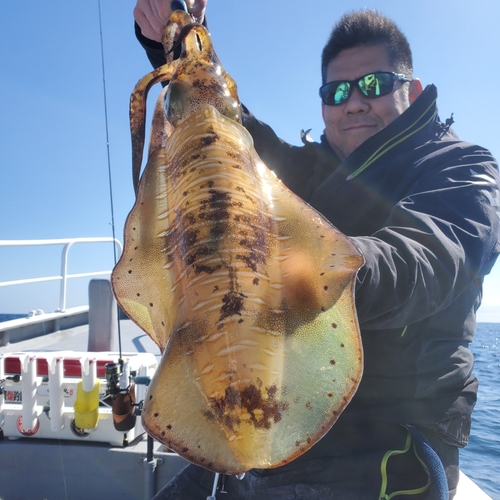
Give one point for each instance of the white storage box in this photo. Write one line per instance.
(38, 391)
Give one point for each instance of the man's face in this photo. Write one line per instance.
(348, 125)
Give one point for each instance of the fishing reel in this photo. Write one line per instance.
(121, 383)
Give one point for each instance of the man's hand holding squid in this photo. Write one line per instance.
(152, 15)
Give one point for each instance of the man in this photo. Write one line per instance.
(422, 206)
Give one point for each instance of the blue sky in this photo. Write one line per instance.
(53, 175)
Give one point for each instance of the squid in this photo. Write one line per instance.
(246, 289)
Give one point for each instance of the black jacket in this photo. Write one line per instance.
(422, 206)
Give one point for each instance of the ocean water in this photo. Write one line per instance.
(480, 459)
(8, 317)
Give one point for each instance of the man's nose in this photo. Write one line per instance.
(357, 102)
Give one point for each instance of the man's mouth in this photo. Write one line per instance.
(359, 125)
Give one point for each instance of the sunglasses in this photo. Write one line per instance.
(371, 85)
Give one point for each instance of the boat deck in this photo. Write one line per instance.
(77, 339)
(37, 469)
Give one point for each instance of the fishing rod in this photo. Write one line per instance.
(120, 380)
(110, 181)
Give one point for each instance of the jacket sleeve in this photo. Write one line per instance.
(295, 166)
(154, 50)
(442, 236)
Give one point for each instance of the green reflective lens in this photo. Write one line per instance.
(370, 85)
(342, 92)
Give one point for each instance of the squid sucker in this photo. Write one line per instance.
(246, 289)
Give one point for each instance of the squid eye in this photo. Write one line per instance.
(177, 102)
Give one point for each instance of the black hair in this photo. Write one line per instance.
(368, 27)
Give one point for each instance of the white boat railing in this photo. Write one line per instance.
(64, 276)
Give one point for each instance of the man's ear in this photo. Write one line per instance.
(415, 89)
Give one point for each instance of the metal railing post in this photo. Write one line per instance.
(64, 276)
(68, 243)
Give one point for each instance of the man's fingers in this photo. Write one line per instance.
(152, 15)
(197, 9)
(163, 9)
(151, 26)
